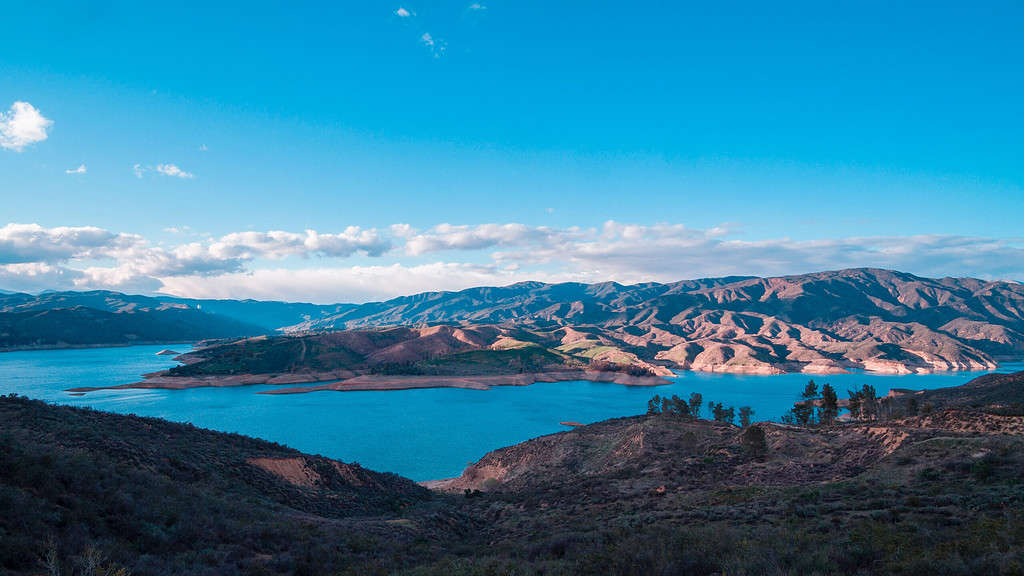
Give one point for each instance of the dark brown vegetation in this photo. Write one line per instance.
(662, 493)
(435, 350)
(165, 498)
(80, 326)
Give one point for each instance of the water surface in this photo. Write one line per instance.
(422, 434)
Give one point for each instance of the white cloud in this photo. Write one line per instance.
(173, 170)
(402, 13)
(476, 7)
(21, 126)
(236, 264)
(80, 170)
(36, 276)
(355, 283)
(138, 170)
(277, 244)
(25, 243)
(449, 237)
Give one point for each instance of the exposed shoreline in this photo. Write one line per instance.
(348, 381)
(379, 382)
(343, 381)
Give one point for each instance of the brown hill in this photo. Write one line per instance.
(861, 319)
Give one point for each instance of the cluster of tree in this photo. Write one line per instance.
(679, 407)
(864, 404)
(822, 407)
(814, 406)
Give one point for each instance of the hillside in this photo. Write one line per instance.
(406, 357)
(81, 326)
(170, 498)
(652, 494)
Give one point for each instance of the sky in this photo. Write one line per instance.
(343, 151)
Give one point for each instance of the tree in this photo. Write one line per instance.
(803, 413)
(745, 413)
(885, 408)
(803, 410)
(810, 391)
(869, 401)
(912, 407)
(654, 405)
(854, 404)
(829, 410)
(721, 413)
(675, 406)
(696, 401)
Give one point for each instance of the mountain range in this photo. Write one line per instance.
(866, 319)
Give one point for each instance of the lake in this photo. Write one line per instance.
(421, 434)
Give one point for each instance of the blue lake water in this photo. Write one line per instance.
(422, 434)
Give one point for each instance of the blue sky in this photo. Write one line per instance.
(649, 141)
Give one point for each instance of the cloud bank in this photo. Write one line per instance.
(313, 265)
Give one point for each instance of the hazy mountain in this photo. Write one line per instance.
(268, 315)
(823, 322)
(81, 326)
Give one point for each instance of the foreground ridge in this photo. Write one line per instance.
(644, 494)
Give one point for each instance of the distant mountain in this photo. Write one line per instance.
(102, 317)
(266, 315)
(862, 319)
(81, 326)
(823, 322)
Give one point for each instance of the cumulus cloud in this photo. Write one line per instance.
(36, 276)
(666, 252)
(476, 7)
(277, 244)
(21, 126)
(174, 171)
(245, 264)
(24, 243)
(80, 170)
(402, 13)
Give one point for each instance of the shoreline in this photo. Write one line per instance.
(57, 347)
(348, 381)
(344, 381)
(380, 382)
